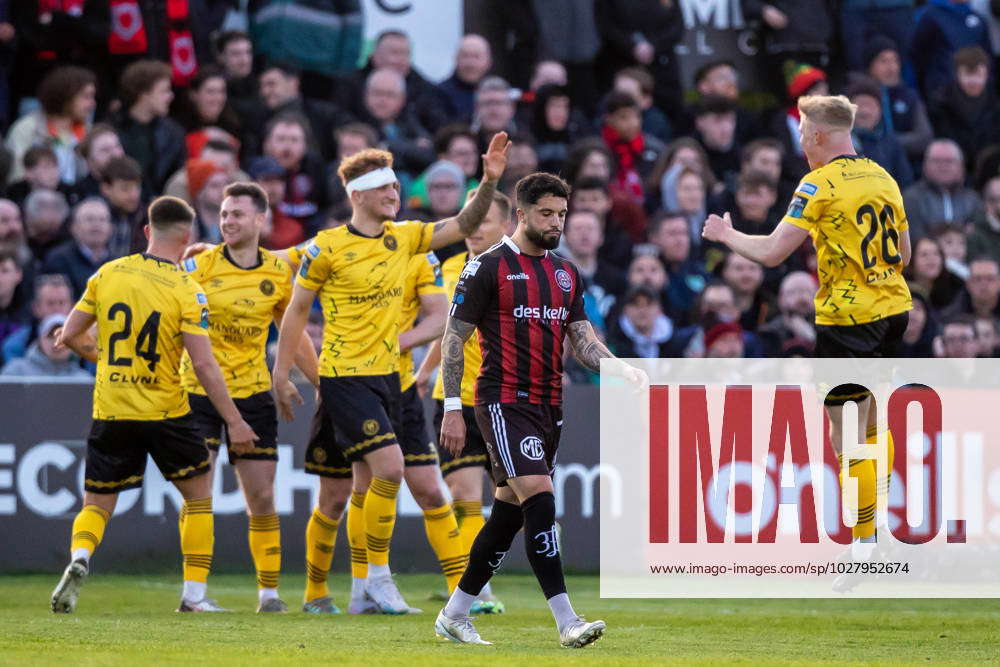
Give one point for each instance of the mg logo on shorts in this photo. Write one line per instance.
(532, 448)
(370, 427)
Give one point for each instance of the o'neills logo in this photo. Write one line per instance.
(518, 276)
(542, 313)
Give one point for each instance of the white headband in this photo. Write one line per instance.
(371, 180)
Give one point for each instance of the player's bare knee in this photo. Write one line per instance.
(427, 497)
(333, 496)
(106, 501)
(260, 500)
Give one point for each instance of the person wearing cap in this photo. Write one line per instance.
(724, 341)
(43, 359)
(642, 331)
(206, 180)
(902, 108)
(800, 80)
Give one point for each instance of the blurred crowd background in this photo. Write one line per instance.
(105, 104)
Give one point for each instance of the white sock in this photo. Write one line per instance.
(194, 591)
(486, 592)
(562, 610)
(265, 594)
(862, 550)
(459, 604)
(81, 553)
(376, 571)
(358, 588)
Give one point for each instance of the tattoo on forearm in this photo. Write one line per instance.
(470, 217)
(453, 356)
(587, 349)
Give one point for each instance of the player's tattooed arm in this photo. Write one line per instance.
(453, 355)
(587, 347)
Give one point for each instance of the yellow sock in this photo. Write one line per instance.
(356, 536)
(321, 535)
(180, 520)
(469, 514)
(443, 534)
(264, 535)
(882, 485)
(197, 539)
(88, 530)
(864, 471)
(380, 518)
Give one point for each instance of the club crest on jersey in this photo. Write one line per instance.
(389, 241)
(807, 188)
(266, 287)
(531, 447)
(564, 280)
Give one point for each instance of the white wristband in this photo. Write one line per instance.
(453, 403)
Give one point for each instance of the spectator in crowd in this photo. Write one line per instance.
(98, 148)
(715, 305)
(12, 238)
(472, 63)
(922, 328)
(755, 210)
(15, 310)
(147, 134)
(967, 109)
(746, 279)
(305, 190)
(873, 137)
(715, 129)
(981, 296)
(68, 98)
(81, 256)
(927, 270)
(445, 191)
(903, 110)
(681, 154)
(43, 358)
(206, 181)
(641, 331)
(568, 34)
(724, 340)
(796, 314)
(720, 78)
(455, 143)
(800, 79)
(44, 214)
(205, 112)
(284, 231)
(671, 234)
(767, 155)
(591, 194)
(234, 54)
(583, 237)
(589, 158)
(221, 152)
(639, 83)
(866, 22)
(792, 30)
(546, 71)
(350, 138)
(51, 296)
(942, 28)
(986, 336)
(690, 198)
(554, 127)
(521, 161)
(953, 244)
(984, 239)
(958, 338)
(400, 132)
(41, 172)
(494, 110)
(121, 187)
(635, 153)
(941, 195)
(280, 92)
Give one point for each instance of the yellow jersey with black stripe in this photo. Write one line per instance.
(423, 277)
(243, 303)
(853, 210)
(451, 269)
(360, 284)
(143, 305)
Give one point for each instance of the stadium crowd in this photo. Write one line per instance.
(105, 105)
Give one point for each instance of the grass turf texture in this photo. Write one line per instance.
(130, 620)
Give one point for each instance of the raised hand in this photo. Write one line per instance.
(495, 158)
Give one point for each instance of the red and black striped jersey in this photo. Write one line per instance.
(521, 305)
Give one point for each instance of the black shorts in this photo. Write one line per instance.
(355, 416)
(474, 454)
(521, 438)
(257, 410)
(877, 339)
(418, 450)
(116, 452)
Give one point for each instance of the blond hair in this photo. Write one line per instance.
(362, 162)
(833, 111)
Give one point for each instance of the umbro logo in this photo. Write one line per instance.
(518, 276)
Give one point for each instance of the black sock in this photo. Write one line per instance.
(491, 545)
(541, 544)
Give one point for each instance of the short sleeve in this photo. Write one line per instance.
(807, 206)
(430, 280)
(472, 293)
(314, 269)
(416, 235)
(194, 308)
(284, 290)
(296, 251)
(191, 267)
(88, 302)
(577, 310)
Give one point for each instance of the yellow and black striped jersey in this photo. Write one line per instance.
(853, 210)
(360, 284)
(423, 276)
(451, 269)
(143, 306)
(243, 303)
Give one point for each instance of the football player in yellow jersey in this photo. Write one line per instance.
(247, 288)
(358, 270)
(853, 210)
(464, 473)
(147, 312)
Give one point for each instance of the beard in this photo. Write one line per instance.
(542, 241)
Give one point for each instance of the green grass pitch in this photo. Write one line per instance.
(131, 620)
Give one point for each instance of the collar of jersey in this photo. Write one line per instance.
(509, 242)
(352, 229)
(146, 255)
(847, 157)
(229, 258)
